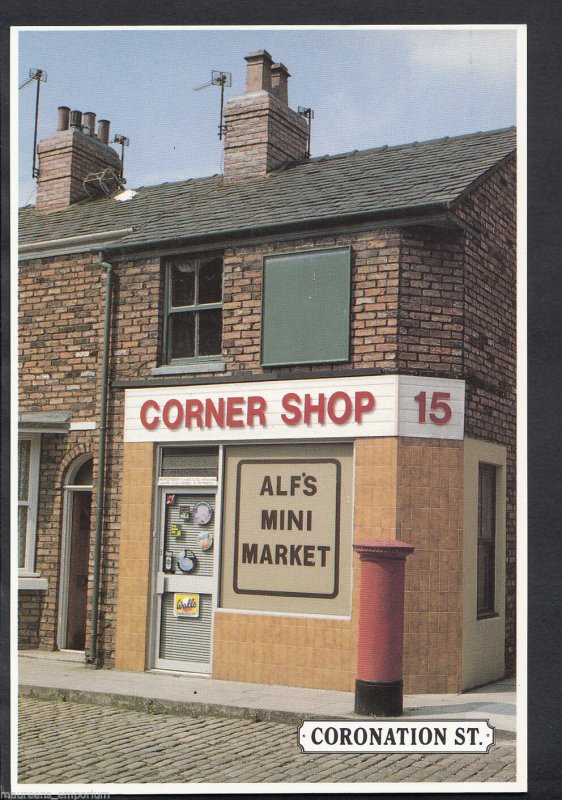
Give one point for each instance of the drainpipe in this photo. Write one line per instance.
(91, 658)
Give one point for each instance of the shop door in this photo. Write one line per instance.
(186, 580)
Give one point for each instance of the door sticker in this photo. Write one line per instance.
(186, 605)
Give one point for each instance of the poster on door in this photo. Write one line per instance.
(186, 605)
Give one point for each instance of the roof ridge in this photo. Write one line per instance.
(415, 143)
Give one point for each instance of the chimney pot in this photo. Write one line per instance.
(90, 122)
(103, 131)
(262, 132)
(76, 119)
(66, 161)
(258, 75)
(279, 82)
(63, 118)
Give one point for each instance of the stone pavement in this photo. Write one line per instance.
(67, 742)
(64, 675)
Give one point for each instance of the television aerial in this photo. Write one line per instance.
(40, 76)
(221, 79)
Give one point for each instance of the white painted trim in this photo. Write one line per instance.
(190, 369)
(32, 584)
(83, 425)
(188, 483)
(185, 667)
(32, 502)
(33, 430)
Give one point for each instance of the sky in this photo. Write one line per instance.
(367, 88)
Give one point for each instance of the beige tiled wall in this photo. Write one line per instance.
(430, 517)
(408, 489)
(133, 596)
(313, 652)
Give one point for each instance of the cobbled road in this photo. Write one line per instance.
(64, 742)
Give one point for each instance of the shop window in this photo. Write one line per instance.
(193, 322)
(306, 307)
(486, 569)
(28, 488)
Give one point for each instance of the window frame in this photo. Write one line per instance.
(31, 503)
(197, 260)
(491, 544)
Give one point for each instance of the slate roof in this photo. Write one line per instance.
(356, 183)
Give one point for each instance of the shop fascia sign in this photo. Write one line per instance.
(326, 408)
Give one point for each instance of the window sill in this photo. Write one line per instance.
(32, 583)
(488, 615)
(190, 369)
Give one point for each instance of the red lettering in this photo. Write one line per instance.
(286, 402)
(339, 420)
(143, 418)
(438, 404)
(364, 402)
(211, 413)
(256, 408)
(310, 408)
(234, 407)
(167, 420)
(193, 411)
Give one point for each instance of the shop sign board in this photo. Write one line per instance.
(354, 407)
(287, 527)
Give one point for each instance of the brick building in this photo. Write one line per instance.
(225, 382)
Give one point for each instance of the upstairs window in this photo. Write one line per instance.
(306, 307)
(193, 324)
(486, 576)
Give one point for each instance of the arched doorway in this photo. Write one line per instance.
(77, 504)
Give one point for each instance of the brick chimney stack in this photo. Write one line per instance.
(262, 132)
(68, 156)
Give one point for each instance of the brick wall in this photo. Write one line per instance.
(430, 316)
(65, 159)
(374, 312)
(423, 301)
(262, 133)
(29, 614)
(137, 299)
(60, 334)
(489, 340)
(60, 326)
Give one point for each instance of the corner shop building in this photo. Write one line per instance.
(303, 353)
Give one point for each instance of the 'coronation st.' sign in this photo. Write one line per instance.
(384, 405)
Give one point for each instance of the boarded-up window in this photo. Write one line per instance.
(306, 302)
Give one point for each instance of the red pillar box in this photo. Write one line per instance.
(379, 685)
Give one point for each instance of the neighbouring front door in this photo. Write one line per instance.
(75, 556)
(78, 577)
(185, 580)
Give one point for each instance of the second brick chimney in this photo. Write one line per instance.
(69, 156)
(262, 132)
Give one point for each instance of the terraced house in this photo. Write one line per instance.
(225, 382)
